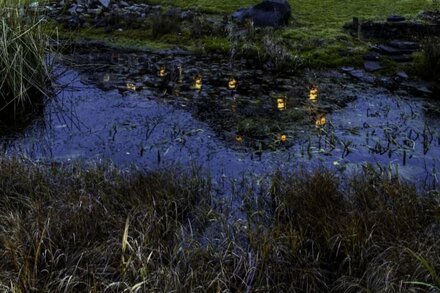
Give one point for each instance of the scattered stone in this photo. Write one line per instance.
(387, 50)
(186, 15)
(404, 45)
(372, 56)
(372, 66)
(402, 58)
(396, 18)
(105, 3)
(418, 88)
(362, 76)
(402, 75)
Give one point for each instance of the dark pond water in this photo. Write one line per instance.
(98, 115)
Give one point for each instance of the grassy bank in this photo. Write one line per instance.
(315, 33)
(88, 230)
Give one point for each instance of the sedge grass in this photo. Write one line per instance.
(24, 70)
(76, 229)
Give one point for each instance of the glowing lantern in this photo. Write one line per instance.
(162, 71)
(106, 77)
(281, 103)
(198, 82)
(238, 138)
(131, 86)
(313, 93)
(320, 121)
(232, 83)
(283, 137)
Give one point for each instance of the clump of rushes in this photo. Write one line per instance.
(24, 71)
(371, 234)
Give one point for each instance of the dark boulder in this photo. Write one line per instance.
(272, 13)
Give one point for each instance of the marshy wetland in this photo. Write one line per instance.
(180, 146)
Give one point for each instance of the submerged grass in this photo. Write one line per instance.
(77, 229)
(24, 72)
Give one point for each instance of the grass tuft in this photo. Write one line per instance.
(24, 72)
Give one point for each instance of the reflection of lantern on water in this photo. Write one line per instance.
(281, 103)
(232, 83)
(239, 138)
(131, 86)
(180, 69)
(320, 121)
(313, 93)
(106, 77)
(162, 71)
(283, 137)
(198, 82)
(234, 103)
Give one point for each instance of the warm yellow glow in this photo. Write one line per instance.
(232, 83)
(313, 93)
(320, 121)
(131, 86)
(238, 138)
(198, 82)
(162, 71)
(281, 103)
(283, 138)
(106, 77)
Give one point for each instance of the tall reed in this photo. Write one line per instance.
(24, 72)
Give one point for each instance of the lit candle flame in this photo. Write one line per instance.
(313, 93)
(232, 83)
(320, 121)
(283, 137)
(162, 71)
(131, 86)
(198, 82)
(281, 103)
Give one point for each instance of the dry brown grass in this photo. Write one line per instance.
(77, 229)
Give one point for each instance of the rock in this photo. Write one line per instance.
(361, 76)
(123, 4)
(406, 45)
(105, 3)
(186, 15)
(72, 10)
(269, 13)
(347, 69)
(401, 58)
(418, 88)
(372, 66)
(396, 18)
(372, 56)
(402, 75)
(387, 50)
